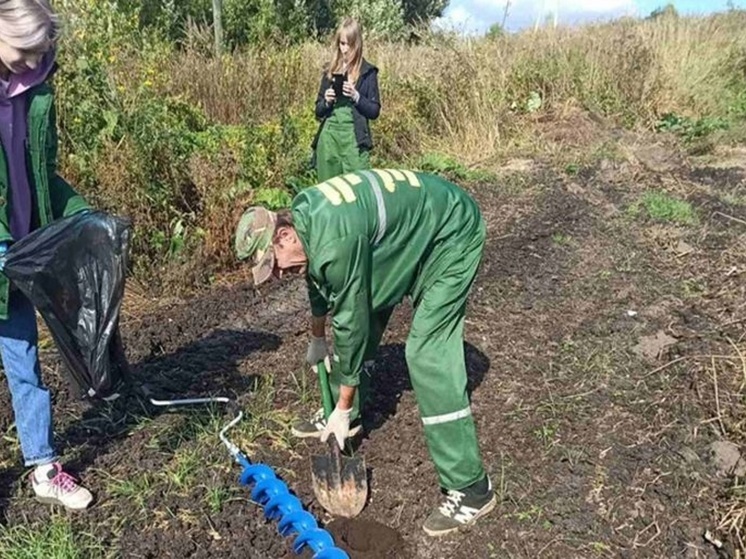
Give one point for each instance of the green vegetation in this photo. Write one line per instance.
(691, 129)
(661, 206)
(54, 539)
(156, 127)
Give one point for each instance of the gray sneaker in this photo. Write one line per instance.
(461, 508)
(312, 428)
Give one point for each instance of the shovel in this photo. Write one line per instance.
(340, 483)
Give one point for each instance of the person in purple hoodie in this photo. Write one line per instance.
(32, 195)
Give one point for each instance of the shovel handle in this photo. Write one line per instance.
(326, 391)
(328, 402)
(335, 453)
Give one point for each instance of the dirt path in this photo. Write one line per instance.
(595, 341)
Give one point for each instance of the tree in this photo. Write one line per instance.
(321, 15)
(169, 16)
(669, 10)
(383, 18)
(495, 31)
(286, 21)
(422, 11)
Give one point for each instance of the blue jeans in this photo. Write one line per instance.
(32, 402)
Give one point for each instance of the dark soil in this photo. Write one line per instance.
(595, 447)
(366, 539)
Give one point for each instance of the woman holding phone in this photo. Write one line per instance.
(348, 98)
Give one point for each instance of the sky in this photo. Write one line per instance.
(476, 16)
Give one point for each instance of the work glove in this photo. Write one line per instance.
(339, 425)
(317, 350)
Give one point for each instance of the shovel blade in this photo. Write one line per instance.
(340, 483)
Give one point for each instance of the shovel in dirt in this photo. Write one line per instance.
(340, 483)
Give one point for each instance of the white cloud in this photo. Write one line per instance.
(459, 15)
(598, 6)
(563, 5)
(478, 15)
(490, 3)
(458, 18)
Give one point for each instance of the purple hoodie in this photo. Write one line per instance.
(13, 133)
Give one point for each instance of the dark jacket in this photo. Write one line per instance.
(367, 108)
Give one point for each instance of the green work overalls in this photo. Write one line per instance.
(372, 238)
(337, 151)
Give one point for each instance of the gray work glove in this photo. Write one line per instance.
(317, 350)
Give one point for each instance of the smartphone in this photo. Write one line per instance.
(338, 80)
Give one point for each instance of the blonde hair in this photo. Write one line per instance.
(28, 24)
(351, 30)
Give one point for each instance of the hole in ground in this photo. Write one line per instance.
(366, 539)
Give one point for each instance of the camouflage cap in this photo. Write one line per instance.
(254, 240)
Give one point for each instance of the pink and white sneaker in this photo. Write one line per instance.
(60, 488)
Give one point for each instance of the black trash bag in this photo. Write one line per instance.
(73, 271)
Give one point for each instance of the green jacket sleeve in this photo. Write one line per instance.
(347, 274)
(5, 235)
(64, 199)
(318, 303)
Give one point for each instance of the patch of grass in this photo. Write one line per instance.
(573, 456)
(451, 168)
(693, 288)
(627, 262)
(663, 207)
(136, 488)
(302, 389)
(216, 498)
(533, 514)
(265, 420)
(54, 539)
(567, 346)
(184, 469)
(600, 547)
(561, 239)
(548, 434)
(604, 275)
(608, 150)
(594, 362)
(732, 198)
(196, 425)
(592, 366)
(690, 129)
